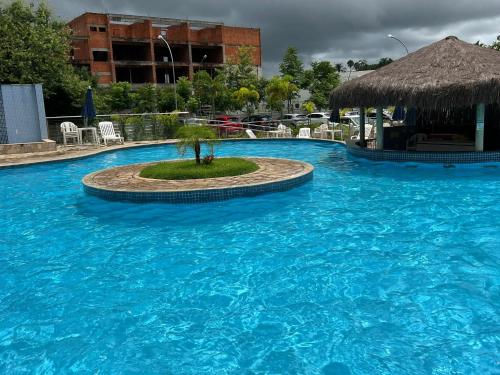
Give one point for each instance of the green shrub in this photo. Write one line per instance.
(170, 124)
(137, 122)
(120, 121)
(189, 169)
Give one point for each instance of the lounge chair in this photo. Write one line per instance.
(70, 131)
(108, 132)
(304, 133)
(250, 134)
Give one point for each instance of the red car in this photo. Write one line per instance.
(227, 124)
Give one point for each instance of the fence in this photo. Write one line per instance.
(157, 126)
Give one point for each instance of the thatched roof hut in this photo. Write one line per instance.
(447, 74)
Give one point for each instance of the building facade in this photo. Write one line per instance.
(116, 47)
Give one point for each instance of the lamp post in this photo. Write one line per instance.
(404, 45)
(173, 68)
(203, 59)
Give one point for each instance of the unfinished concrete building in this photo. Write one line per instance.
(116, 47)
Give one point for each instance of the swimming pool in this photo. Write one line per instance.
(370, 268)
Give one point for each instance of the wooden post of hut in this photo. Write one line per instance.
(362, 140)
(380, 128)
(480, 127)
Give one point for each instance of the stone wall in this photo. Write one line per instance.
(21, 148)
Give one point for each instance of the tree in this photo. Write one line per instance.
(184, 88)
(309, 107)
(246, 98)
(280, 89)
(495, 45)
(145, 99)
(350, 65)
(361, 65)
(383, 61)
(240, 71)
(120, 96)
(192, 104)
(35, 48)
(166, 99)
(202, 84)
(322, 79)
(292, 66)
(193, 137)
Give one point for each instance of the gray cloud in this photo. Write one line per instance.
(336, 30)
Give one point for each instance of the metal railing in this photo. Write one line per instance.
(148, 126)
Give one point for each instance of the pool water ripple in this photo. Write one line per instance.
(370, 268)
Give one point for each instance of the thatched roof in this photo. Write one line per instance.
(449, 73)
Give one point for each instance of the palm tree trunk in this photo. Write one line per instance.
(197, 152)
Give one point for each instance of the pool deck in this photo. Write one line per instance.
(78, 152)
(124, 183)
(70, 152)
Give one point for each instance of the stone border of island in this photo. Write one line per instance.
(124, 183)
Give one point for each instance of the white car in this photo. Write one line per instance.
(294, 118)
(319, 118)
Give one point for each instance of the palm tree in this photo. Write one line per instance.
(193, 136)
(350, 64)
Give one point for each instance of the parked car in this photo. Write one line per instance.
(294, 119)
(227, 124)
(319, 118)
(259, 121)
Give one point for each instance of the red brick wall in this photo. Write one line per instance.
(231, 37)
(234, 37)
(210, 35)
(232, 54)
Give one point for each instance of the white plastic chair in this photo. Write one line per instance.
(250, 134)
(282, 131)
(285, 130)
(70, 131)
(321, 130)
(304, 133)
(108, 132)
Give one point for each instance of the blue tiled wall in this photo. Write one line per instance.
(199, 196)
(3, 126)
(22, 114)
(425, 156)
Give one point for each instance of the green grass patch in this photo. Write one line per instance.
(188, 169)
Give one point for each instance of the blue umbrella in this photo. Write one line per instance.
(399, 114)
(88, 110)
(335, 116)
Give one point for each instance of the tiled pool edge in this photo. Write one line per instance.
(205, 194)
(469, 157)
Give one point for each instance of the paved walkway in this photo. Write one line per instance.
(69, 152)
(127, 178)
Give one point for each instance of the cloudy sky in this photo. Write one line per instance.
(336, 30)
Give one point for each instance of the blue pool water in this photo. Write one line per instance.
(371, 268)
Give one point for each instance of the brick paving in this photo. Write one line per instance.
(127, 178)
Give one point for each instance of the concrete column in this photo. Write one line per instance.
(362, 140)
(380, 128)
(480, 127)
